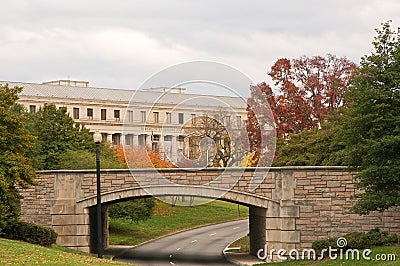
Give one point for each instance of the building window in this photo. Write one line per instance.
(169, 118)
(239, 121)
(143, 116)
(193, 118)
(75, 113)
(180, 118)
(117, 114)
(128, 139)
(32, 108)
(130, 116)
(116, 139)
(156, 117)
(156, 137)
(89, 113)
(227, 120)
(168, 138)
(103, 114)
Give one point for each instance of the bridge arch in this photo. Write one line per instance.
(258, 207)
(240, 197)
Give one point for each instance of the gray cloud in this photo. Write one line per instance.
(122, 43)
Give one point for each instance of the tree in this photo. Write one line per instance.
(371, 126)
(16, 170)
(86, 159)
(56, 134)
(137, 157)
(133, 210)
(307, 89)
(214, 140)
(260, 125)
(312, 146)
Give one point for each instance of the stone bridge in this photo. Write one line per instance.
(290, 208)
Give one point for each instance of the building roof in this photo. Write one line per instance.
(125, 96)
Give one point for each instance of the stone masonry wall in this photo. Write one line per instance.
(307, 203)
(323, 197)
(37, 200)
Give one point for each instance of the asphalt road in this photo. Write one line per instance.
(201, 246)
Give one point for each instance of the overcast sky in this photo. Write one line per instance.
(120, 44)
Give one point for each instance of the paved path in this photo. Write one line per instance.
(201, 246)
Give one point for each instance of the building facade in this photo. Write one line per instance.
(154, 118)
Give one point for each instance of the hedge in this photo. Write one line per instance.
(29, 232)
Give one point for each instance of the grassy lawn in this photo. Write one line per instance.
(167, 219)
(242, 246)
(338, 262)
(21, 253)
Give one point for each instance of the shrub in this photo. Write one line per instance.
(31, 233)
(359, 240)
(133, 210)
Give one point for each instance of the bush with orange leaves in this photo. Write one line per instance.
(138, 157)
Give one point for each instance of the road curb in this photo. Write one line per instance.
(246, 260)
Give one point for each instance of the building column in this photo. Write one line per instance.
(109, 138)
(174, 148)
(121, 139)
(135, 140)
(148, 141)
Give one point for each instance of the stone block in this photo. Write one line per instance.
(333, 184)
(73, 241)
(288, 223)
(289, 211)
(72, 229)
(322, 208)
(273, 224)
(273, 210)
(64, 207)
(70, 219)
(290, 236)
(273, 235)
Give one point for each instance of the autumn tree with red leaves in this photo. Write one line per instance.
(306, 89)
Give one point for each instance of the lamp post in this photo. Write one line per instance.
(97, 139)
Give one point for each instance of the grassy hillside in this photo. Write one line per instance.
(327, 262)
(21, 253)
(168, 219)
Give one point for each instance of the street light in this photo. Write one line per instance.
(97, 139)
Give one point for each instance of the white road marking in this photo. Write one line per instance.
(237, 227)
(194, 241)
(170, 256)
(171, 263)
(213, 234)
(178, 249)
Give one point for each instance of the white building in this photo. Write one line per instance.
(154, 117)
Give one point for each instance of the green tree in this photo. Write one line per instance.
(371, 128)
(312, 147)
(65, 144)
(133, 210)
(85, 159)
(56, 133)
(15, 168)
